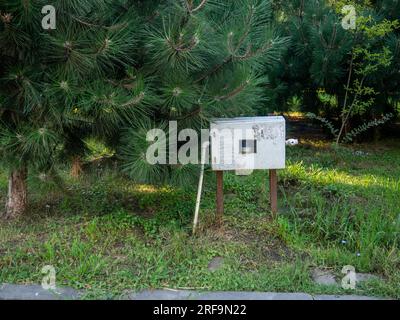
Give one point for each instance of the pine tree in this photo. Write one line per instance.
(318, 55)
(115, 69)
(203, 59)
(59, 86)
(321, 55)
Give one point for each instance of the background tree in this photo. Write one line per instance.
(321, 60)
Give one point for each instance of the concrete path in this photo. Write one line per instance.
(36, 292)
(194, 295)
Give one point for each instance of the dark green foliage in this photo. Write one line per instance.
(320, 54)
(319, 50)
(114, 65)
(60, 86)
(206, 59)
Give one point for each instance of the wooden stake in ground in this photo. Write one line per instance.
(273, 189)
(200, 188)
(220, 196)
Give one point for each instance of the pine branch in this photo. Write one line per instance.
(199, 7)
(215, 69)
(182, 47)
(135, 100)
(189, 6)
(234, 92)
(233, 50)
(191, 114)
(113, 27)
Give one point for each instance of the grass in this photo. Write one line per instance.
(107, 235)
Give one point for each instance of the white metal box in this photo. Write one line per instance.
(253, 143)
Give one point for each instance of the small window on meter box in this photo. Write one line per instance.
(248, 146)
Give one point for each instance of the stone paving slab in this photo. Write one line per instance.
(345, 298)
(36, 292)
(219, 295)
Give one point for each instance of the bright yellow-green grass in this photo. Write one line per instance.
(106, 235)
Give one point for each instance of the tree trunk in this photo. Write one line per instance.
(17, 198)
(76, 169)
(377, 134)
(310, 99)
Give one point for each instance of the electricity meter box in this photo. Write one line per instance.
(252, 143)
